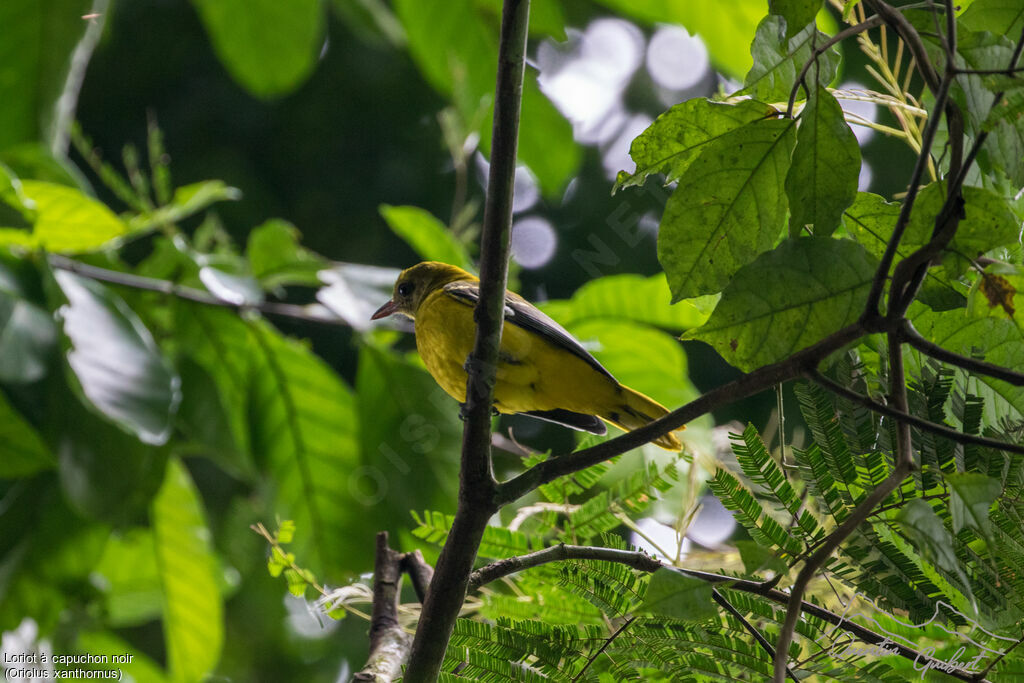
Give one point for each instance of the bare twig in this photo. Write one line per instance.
(476, 482)
(866, 25)
(149, 284)
(419, 572)
(912, 337)
(389, 644)
(913, 420)
(558, 553)
(754, 633)
(604, 646)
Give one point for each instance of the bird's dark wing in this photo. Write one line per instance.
(521, 313)
(567, 418)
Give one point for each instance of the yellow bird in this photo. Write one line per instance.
(542, 370)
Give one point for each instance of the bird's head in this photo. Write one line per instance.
(414, 284)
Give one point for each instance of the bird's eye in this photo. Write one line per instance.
(405, 289)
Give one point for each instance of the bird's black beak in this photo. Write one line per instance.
(385, 310)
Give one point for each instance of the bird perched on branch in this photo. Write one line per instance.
(542, 370)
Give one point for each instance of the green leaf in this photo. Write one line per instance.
(631, 297)
(36, 52)
(353, 292)
(971, 497)
(270, 48)
(276, 258)
(117, 363)
(927, 532)
(818, 285)
(193, 613)
(409, 435)
(546, 16)
(187, 200)
(66, 221)
(28, 334)
(131, 663)
(16, 209)
(673, 594)
(822, 180)
(997, 341)
(756, 558)
(778, 60)
(797, 13)
(729, 207)
(205, 422)
(1000, 17)
(987, 223)
(677, 136)
(303, 421)
(130, 579)
(427, 236)
(998, 293)
(24, 450)
(36, 161)
(640, 357)
(1004, 148)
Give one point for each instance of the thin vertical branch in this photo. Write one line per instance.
(389, 644)
(477, 486)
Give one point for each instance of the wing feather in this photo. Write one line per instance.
(523, 314)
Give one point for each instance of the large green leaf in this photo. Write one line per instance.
(998, 341)
(1004, 148)
(270, 48)
(130, 578)
(304, 425)
(66, 221)
(125, 659)
(276, 257)
(28, 334)
(727, 35)
(788, 299)
(677, 136)
(729, 207)
(999, 293)
(631, 297)
(971, 496)
(987, 223)
(39, 37)
(1000, 17)
(44, 546)
(643, 358)
(192, 619)
(456, 48)
(16, 209)
(409, 435)
(822, 179)
(115, 360)
(24, 452)
(778, 60)
(427, 236)
(675, 595)
(797, 13)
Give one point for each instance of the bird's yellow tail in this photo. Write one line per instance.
(635, 411)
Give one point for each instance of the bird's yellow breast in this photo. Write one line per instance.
(532, 373)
